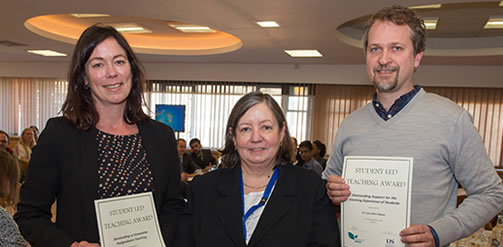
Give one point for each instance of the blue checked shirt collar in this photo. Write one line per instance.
(397, 106)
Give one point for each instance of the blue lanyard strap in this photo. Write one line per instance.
(262, 202)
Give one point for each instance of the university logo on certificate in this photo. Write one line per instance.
(379, 205)
(128, 221)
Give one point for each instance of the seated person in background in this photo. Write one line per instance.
(4, 142)
(319, 150)
(305, 150)
(35, 132)
(4, 145)
(257, 178)
(294, 160)
(186, 164)
(202, 157)
(9, 176)
(26, 143)
(298, 157)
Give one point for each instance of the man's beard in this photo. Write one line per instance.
(389, 84)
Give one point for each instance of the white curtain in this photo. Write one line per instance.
(29, 101)
(32, 101)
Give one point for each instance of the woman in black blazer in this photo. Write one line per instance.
(104, 146)
(258, 198)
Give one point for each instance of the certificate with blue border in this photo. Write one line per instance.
(128, 221)
(379, 205)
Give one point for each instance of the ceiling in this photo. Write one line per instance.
(313, 24)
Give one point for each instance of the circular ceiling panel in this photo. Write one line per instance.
(459, 29)
(156, 36)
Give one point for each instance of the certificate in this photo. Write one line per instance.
(379, 205)
(128, 221)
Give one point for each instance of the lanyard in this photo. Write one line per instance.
(262, 202)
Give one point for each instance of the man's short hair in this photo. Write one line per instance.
(400, 16)
(306, 144)
(5, 133)
(194, 140)
(180, 139)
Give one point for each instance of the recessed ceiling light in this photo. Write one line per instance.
(267, 24)
(190, 28)
(47, 53)
(430, 6)
(494, 23)
(304, 53)
(89, 15)
(430, 23)
(129, 28)
(501, 4)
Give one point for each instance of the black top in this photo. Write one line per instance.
(204, 158)
(123, 168)
(298, 212)
(64, 166)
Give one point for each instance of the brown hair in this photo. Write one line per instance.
(7, 135)
(9, 178)
(321, 147)
(230, 155)
(78, 106)
(400, 16)
(194, 140)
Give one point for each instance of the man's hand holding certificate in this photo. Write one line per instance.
(379, 205)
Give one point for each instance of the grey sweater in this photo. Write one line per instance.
(9, 233)
(446, 148)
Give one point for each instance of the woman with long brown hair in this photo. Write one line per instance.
(104, 146)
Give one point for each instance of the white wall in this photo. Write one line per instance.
(427, 75)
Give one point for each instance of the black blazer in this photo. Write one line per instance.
(189, 166)
(208, 159)
(64, 166)
(298, 212)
